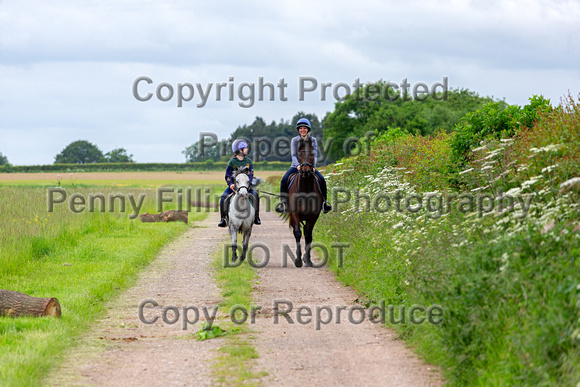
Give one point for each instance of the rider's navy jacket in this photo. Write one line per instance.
(294, 150)
(235, 162)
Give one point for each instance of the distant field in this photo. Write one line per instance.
(121, 179)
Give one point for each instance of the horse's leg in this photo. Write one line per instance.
(234, 235)
(308, 228)
(245, 242)
(298, 236)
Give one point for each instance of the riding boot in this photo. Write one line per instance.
(223, 214)
(282, 207)
(326, 207)
(257, 208)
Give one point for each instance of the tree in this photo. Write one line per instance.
(193, 153)
(3, 159)
(368, 111)
(79, 152)
(118, 155)
(266, 136)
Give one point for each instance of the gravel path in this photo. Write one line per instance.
(296, 354)
(138, 354)
(344, 353)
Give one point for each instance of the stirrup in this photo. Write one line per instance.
(326, 207)
(281, 208)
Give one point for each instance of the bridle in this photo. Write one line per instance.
(246, 187)
(302, 165)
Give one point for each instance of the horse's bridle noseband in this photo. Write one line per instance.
(237, 189)
(243, 186)
(309, 172)
(306, 164)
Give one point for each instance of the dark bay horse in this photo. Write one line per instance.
(305, 200)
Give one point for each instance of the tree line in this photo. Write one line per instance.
(353, 118)
(84, 152)
(358, 114)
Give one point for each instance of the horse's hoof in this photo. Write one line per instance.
(308, 263)
(234, 259)
(243, 258)
(298, 262)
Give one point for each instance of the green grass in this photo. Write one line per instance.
(235, 365)
(509, 288)
(82, 259)
(127, 183)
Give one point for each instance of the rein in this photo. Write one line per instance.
(268, 193)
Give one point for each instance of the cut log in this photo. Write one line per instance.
(149, 218)
(165, 216)
(15, 304)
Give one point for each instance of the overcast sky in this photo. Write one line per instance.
(67, 68)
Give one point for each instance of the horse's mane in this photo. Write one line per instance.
(305, 143)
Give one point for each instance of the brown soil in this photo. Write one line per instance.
(337, 354)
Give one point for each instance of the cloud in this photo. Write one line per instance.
(67, 68)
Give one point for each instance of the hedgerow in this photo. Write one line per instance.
(508, 279)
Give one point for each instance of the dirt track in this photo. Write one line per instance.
(338, 354)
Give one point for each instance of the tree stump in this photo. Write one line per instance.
(15, 304)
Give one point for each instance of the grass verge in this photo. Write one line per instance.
(507, 278)
(83, 259)
(235, 364)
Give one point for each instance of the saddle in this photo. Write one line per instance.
(293, 177)
(228, 202)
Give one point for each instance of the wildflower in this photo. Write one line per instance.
(548, 227)
(573, 183)
(549, 168)
(532, 181)
(547, 148)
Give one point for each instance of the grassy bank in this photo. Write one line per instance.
(235, 365)
(507, 277)
(83, 259)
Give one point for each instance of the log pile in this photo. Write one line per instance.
(165, 216)
(15, 304)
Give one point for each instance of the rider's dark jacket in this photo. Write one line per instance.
(237, 163)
